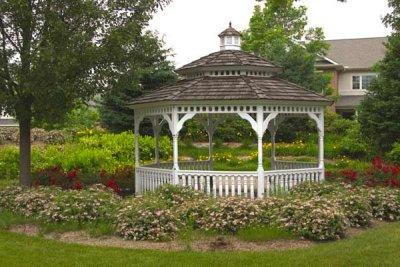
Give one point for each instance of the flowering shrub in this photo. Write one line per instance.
(385, 203)
(228, 215)
(312, 189)
(92, 204)
(356, 208)
(141, 219)
(270, 210)
(174, 196)
(316, 219)
(7, 197)
(28, 202)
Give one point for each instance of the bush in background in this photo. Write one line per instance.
(394, 154)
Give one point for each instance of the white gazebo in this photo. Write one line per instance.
(229, 81)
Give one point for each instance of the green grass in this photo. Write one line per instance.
(95, 229)
(262, 234)
(375, 247)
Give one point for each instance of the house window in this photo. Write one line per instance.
(366, 81)
(228, 40)
(356, 83)
(362, 81)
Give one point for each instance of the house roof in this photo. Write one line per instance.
(360, 53)
(231, 88)
(228, 58)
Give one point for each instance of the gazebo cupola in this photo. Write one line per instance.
(230, 39)
(228, 82)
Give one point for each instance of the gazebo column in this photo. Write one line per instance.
(175, 125)
(260, 168)
(260, 125)
(137, 121)
(319, 119)
(175, 138)
(321, 163)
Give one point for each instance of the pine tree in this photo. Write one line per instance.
(379, 112)
(145, 68)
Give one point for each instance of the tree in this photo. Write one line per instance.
(278, 33)
(145, 69)
(379, 111)
(57, 52)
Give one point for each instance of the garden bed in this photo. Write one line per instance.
(313, 211)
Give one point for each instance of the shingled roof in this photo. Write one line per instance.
(360, 53)
(231, 88)
(229, 31)
(228, 58)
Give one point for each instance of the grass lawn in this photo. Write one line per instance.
(375, 247)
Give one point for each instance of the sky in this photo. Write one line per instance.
(190, 27)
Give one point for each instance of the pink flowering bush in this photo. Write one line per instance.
(228, 215)
(315, 219)
(385, 203)
(143, 219)
(356, 208)
(95, 203)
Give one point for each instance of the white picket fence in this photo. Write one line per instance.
(222, 183)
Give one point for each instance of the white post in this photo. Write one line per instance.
(175, 137)
(260, 168)
(321, 163)
(137, 155)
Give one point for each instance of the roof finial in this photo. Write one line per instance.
(230, 24)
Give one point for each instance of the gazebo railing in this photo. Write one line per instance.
(227, 183)
(151, 178)
(290, 165)
(279, 181)
(220, 183)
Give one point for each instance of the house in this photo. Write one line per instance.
(6, 120)
(351, 61)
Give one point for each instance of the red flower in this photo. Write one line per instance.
(113, 185)
(78, 185)
(72, 174)
(393, 182)
(328, 174)
(395, 170)
(350, 174)
(386, 169)
(377, 162)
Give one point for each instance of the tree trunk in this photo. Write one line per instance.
(25, 151)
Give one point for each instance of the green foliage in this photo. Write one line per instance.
(394, 154)
(9, 157)
(90, 154)
(144, 67)
(278, 33)
(378, 113)
(80, 118)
